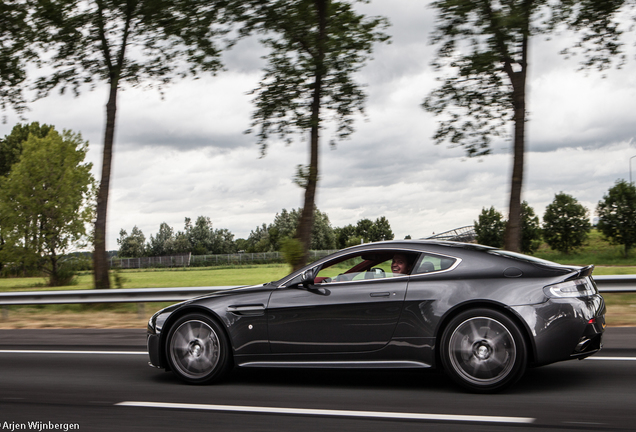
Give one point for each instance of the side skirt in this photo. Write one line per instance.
(337, 364)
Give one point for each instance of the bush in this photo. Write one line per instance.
(566, 223)
(490, 228)
(530, 229)
(293, 251)
(617, 215)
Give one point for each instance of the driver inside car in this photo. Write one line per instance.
(400, 264)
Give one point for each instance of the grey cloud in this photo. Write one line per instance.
(190, 140)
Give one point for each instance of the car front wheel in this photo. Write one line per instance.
(197, 349)
(483, 350)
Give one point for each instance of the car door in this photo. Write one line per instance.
(355, 314)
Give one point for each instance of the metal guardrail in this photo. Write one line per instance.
(616, 283)
(138, 295)
(606, 284)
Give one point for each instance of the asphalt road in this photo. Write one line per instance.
(85, 389)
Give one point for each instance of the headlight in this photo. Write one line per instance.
(583, 287)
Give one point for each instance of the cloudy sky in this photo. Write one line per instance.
(187, 155)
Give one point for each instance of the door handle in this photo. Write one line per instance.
(380, 294)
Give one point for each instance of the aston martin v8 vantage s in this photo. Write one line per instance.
(482, 314)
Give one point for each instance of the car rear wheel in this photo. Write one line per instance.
(197, 349)
(483, 350)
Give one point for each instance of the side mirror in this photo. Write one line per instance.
(307, 277)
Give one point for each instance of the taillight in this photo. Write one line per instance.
(583, 287)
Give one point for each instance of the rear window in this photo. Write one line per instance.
(433, 263)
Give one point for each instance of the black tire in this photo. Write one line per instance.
(197, 350)
(483, 350)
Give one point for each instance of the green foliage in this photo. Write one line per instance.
(11, 145)
(374, 231)
(66, 274)
(484, 54)
(203, 239)
(316, 48)
(365, 231)
(490, 227)
(381, 230)
(565, 223)
(163, 243)
(293, 251)
(11, 150)
(15, 50)
(364, 227)
(485, 45)
(600, 33)
(136, 42)
(596, 250)
(344, 234)
(199, 238)
(131, 42)
(310, 39)
(133, 245)
(118, 278)
(353, 241)
(46, 202)
(270, 238)
(322, 235)
(200, 235)
(530, 229)
(617, 215)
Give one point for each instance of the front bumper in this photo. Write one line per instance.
(153, 351)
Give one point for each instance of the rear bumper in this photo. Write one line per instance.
(591, 340)
(565, 328)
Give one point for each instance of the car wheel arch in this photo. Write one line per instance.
(174, 317)
(499, 307)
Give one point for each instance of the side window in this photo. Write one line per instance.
(433, 263)
(341, 270)
(367, 265)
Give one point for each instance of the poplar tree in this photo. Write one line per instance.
(316, 47)
(484, 50)
(124, 42)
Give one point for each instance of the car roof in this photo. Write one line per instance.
(416, 244)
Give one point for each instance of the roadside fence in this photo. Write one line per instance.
(189, 260)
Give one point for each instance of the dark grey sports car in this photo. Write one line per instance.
(482, 314)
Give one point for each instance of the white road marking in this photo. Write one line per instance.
(70, 352)
(332, 413)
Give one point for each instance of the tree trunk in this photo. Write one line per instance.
(306, 223)
(54, 277)
(100, 260)
(512, 237)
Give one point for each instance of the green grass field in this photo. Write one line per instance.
(165, 278)
(596, 251)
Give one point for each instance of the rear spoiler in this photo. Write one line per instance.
(582, 272)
